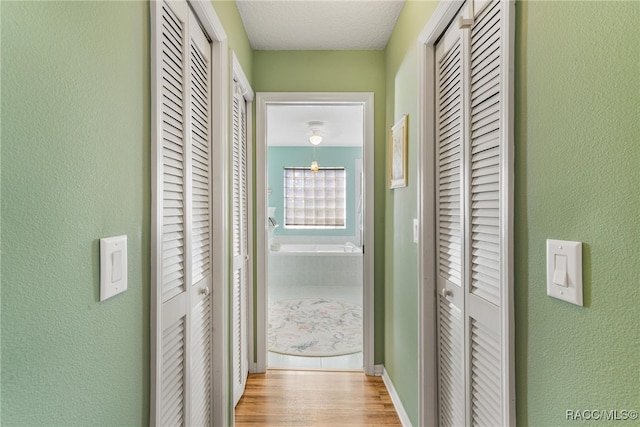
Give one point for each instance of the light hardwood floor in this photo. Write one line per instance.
(315, 398)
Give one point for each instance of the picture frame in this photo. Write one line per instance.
(398, 160)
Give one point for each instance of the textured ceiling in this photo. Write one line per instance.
(319, 24)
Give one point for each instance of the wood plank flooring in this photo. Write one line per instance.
(315, 398)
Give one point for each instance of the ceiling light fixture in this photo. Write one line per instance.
(315, 127)
(315, 138)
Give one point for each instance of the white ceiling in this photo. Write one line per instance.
(288, 125)
(319, 24)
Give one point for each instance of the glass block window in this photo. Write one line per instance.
(314, 199)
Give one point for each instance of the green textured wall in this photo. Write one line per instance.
(578, 178)
(280, 157)
(401, 255)
(577, 115)
(338, 71)
(75, 168)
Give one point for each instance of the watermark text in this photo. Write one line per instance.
(601, 414)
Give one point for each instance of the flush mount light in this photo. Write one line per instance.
(315, 139)
(315, 128)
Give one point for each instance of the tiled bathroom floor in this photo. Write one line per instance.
(351, 294)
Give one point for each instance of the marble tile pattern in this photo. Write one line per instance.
(315, 276)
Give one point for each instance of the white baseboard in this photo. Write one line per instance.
(402, 414)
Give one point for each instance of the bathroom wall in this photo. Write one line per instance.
(281, 157)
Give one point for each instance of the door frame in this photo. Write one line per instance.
(259, 330)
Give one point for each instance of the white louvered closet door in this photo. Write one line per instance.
(450, 227)
(201, 316)
(182, 362)
(476, 326)
(489, 294)
(240, 245)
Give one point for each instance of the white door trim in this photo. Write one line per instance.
(263, 99)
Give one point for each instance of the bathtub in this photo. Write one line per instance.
(295, 265)
(311, 249)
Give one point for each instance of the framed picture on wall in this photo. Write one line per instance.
(398, 154)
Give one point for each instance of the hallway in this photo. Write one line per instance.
(314, 398)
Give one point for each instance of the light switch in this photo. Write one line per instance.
(560, 270)
(116, 262)
(416, 230)
(113, 266)
(564, 270)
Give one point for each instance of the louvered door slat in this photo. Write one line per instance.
(173, 358)
(449, 107)
(485, 158)
(173, 154)
(237, 325)
(243, 179)
(200, 154)
(201, 357)
(236, 177)
(485, 375)
(451, 378)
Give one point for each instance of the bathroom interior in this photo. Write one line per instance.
(315, 235)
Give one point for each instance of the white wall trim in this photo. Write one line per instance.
(263, 99)
(439, 21)
(209, 19)
(427, 334)
(220, 238)
(397, 403)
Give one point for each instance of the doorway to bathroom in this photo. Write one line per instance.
(314, 201)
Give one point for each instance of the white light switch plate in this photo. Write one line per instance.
(416, 230)
(113, 266)
(564, 270)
